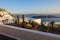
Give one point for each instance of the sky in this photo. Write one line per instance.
(31, 6)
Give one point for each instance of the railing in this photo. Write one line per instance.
(26, 34)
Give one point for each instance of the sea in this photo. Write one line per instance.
(45, 19)
(29, 16)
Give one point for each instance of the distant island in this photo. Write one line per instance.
(45, 16)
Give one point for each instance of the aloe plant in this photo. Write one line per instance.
(52, 24)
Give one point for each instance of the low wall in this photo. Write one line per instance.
(26, 34)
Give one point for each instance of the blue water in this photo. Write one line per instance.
(51, 19)
(48, 19)
(44, 19)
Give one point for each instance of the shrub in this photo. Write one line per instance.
(28, 26)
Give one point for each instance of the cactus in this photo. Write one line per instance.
(30, 21)
(23, 22)
(34, 25)
(52, 24)
(18, 20)
(28, 26)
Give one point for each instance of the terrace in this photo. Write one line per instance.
(26, 34)
(9, 32)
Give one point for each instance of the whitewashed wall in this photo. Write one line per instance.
(26, 34)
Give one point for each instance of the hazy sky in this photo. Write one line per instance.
(31, 6)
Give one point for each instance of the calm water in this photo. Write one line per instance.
(51, 19)
(46, 19)
(28, 16)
